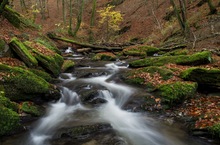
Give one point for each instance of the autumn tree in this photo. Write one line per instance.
(110, 19)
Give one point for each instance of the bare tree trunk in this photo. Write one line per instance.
(79, 18)
(212, 8)
(92, 21)
(64, 12)
(70, 19)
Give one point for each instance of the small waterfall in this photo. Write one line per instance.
(57, 114)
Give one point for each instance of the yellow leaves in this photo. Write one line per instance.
(110, 17)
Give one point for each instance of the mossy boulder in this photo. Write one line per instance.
(177, 52)
(6, 102)
(41, 74)
(23, 53)
(21, 84)
(107, 56)
(215, 130)
(47, 43)
(141, 51)
(194, 59)
(203, 76)
(9, 119)
(48, 59)
(67, 65)
(31, 108)
(146, 76)
(176, 92)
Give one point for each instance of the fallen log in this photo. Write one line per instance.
(85, 45)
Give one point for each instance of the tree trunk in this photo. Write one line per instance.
(212, 8)
(2, 5)
(70, 19)
(92, 21)
(85, 45)
(79, 18)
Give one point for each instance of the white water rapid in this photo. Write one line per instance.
(134, 128)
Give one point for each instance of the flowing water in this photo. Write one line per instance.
(128, 127)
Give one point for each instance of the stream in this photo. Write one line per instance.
(97, 108)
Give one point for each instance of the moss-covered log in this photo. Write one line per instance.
(86, 45)
(67, 65)
(194, 59)
(22, 51)
(203, 76)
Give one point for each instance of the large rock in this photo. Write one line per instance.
(47, 58)
(194, 59)
(23, 53)
(203, 76)
(9, 119)
(21, 84)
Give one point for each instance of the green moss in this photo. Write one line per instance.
(31, 108)
(204, 57)
(194, 59)
(137, 76)
(215, 129)
(67, 64)
(18, 82)
(177, 52)
(48, 59)
(141, 51)
(41, 74)
(47, 43)
(22, 51)
(107, 56)
(9, 120)
(5, 101)
(150, 50)
(202, 75)
(177, 92)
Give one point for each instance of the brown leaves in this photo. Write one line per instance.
(11, 61)
(206, 109)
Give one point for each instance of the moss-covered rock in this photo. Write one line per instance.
(31, 108)
(22, 84)
(67, 65)
(23, 52)
(107, 56)
(146, 76)
(177, 52)
(47, 58)
(47, 43)
(6, 102)
(215, 130)
(194, 59)
(177, 92)
(141, 51)
(203, 76)
(9, 120)
(41, 74)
